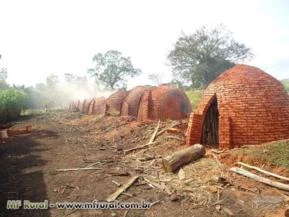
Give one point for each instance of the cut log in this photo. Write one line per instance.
(121, 189)
(264, 171)
(176, 160)
(257, 178)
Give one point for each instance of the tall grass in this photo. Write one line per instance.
(11, 103)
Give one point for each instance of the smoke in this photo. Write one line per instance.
(59, 92)
(80, 88)
(83, 91)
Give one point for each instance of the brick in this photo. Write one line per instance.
(256, 104)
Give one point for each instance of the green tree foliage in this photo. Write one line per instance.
(112, 69)
(3, 77)
(285, 82)
(198, 58)
(11, 103)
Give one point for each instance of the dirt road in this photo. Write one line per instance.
(63, 140)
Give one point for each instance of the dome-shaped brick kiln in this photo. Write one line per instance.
(97, 106)
(131, 102)
(164, 102)
(74, 106)
(86, 105)
(114, 101)
(243, 105)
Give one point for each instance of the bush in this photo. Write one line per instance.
(194, 97)
(11, 104)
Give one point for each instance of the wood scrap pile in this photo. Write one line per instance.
(148, 161)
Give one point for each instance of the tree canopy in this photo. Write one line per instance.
(112, 69)
(198, 58)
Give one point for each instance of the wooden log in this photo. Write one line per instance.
(264, 171)
(164, 130)
(257, 178)
(176, 160)
(121, 189)
(154, 134)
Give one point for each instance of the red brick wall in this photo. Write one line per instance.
(132, 100)
(164, 102)
(115, 100)
(253, 107)
(91, 107)
(86, 105)
(99, 107)
(169, 102)
(78, 105)
(193, 134)
(145, 106)
(74, 106)
(82, 108)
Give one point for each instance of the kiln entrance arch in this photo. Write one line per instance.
(210, 130)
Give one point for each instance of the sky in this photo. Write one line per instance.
(39, 38)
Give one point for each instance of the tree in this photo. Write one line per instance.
(3, 77)
(113, 69)
(52, 80)
(77, 81)
(198, 58)
(157, 78)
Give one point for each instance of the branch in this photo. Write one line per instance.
(264, 171)
(260, 179)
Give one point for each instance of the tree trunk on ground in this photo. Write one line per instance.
(257, 178)
(176, 160)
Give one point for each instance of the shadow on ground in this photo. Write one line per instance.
(21, 177)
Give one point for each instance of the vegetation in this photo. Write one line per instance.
(12, 102)
(275, 153)
(113, 69)
(198, 58)
(48, 95)
(194, 97)
(285, 82)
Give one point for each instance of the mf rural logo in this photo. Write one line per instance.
(26, 204)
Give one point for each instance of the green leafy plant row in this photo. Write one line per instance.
(11, 104)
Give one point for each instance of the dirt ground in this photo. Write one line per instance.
(62, 140)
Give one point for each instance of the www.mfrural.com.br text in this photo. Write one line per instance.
(26, 204)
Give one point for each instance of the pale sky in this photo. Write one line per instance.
(38, 37)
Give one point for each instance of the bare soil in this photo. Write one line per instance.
(62, 140)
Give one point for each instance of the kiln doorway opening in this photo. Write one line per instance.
(210, 130)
